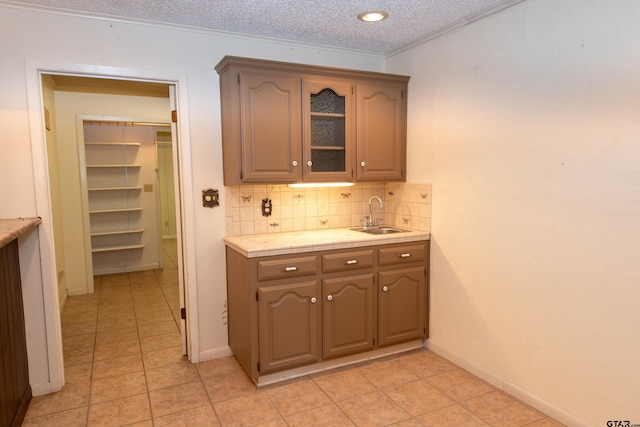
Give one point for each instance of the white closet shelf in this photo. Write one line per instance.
(115, 144)
(116, 210)
(117, 248)
(113, 188)
(114, 166)
(116, 232)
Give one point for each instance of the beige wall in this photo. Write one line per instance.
(48, 96)
(527, 125)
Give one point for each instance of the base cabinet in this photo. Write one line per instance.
(401, 316)
(289, 311)
(289, 326)
(348, 315)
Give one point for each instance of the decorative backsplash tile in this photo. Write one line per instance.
(301, 209)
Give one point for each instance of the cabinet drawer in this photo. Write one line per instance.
(401, 255)
(289, 267)
(347, 261)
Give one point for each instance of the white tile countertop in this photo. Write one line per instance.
(15, 227)
(257, 245)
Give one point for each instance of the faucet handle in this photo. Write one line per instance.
(365, 221)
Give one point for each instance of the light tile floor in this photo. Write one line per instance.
(124, 366)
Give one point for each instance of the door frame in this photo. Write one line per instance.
(184, 200)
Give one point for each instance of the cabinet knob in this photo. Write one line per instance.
(294, 163)
(385, 289)
(313, 300)
(329, 297)
(363, 164)
(309, 163)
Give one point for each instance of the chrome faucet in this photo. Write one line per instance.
(371, 221)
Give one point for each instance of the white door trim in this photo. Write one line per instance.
(34, 70)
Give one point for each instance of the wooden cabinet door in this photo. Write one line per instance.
(401, 305)
(381, 132)
(288, 325)
(328, 130)
(348, 307)
(270, 127)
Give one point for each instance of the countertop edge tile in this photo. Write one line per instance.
(13, 228)
(257, 245)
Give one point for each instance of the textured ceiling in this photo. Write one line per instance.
(324, 22)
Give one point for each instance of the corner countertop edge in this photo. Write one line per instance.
(13, 228)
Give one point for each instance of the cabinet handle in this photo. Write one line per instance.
(294, 163)
(329, 297)
(290, 269)
(309, 163)
(407, 255)
(313, 300)
(351, 262)
(363, 164)
(385, 289)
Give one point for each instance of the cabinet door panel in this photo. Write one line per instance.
(381, 133)
(348, 315)
(289, 325)
(401, 305)
(328, 130)
(270, 124)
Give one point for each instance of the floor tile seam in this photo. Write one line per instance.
(118, 398)
(172, 385)
(48, 414)
(463, 404)
(206, 392)
(140, 350)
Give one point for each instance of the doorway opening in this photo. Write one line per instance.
(103, 138)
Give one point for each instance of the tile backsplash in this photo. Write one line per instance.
(301, 209)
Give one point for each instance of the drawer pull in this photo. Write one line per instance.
(351, 262)
(290, 269)
(405, 255)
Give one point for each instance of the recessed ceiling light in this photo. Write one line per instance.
(373, 16)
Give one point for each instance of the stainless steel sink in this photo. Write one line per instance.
(381, 230)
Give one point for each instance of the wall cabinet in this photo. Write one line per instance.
(285, 123)
(288, 311)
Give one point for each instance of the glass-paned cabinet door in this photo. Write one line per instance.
(328, 131)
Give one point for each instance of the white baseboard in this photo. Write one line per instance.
(215, 353)
(128, 269)
(502, 384)
(43, 388)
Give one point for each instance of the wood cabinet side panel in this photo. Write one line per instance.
(230, 122)
(239, 311)
(15, 391)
